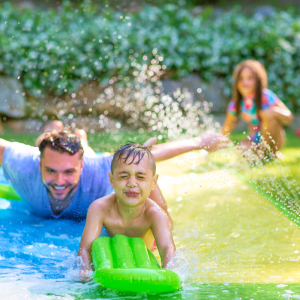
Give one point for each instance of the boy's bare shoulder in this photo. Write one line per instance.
(103, 204)
(154, 210)
(156, 216)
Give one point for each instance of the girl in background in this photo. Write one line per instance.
(258, 106)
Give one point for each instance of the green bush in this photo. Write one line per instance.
(54, 52)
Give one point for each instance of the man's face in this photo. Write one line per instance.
(60, 172)
(133, 183)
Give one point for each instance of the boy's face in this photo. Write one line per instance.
(133, 183)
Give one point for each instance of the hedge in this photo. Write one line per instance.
(55, 51)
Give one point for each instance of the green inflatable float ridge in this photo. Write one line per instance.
(125, 264)
(8, 192)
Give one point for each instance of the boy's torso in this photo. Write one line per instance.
(136, 227)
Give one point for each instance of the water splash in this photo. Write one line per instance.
(186, 264)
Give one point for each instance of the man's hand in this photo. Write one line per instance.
(211, 141)
(150, 142)
(208, 141)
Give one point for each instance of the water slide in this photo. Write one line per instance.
(232, 243)
(235, 242)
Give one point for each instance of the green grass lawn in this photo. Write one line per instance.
(104, 142)
(291, 152)
(279, 179)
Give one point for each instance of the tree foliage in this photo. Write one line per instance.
(55, 51)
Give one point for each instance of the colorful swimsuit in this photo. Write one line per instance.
(248, 111)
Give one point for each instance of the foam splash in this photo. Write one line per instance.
(186, 264)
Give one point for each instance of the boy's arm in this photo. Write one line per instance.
(91, 231)
(157, 196)
(161, 229)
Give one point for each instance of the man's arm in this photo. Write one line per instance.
(208, 141)
(3, 145)
(161, 229)
(91, 231)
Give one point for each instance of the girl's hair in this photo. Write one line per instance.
(261, 78)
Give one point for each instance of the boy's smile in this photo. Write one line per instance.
(133, 182)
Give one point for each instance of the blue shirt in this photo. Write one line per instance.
(21, 168)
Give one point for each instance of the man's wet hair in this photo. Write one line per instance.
(129, 152)
(63, 141)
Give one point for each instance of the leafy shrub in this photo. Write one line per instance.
(54, 52)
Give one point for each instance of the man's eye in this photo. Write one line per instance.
(123, 176)
(50, 171)
(141, 177)
(69, 171)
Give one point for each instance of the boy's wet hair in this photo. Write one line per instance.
(62, 141)
(132, 151)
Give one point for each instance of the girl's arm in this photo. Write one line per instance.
(229, 123)
(284, 115)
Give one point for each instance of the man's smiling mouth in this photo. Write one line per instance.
(59, 188)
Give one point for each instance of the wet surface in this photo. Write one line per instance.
(232, 243)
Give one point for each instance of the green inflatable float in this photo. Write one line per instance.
(125, 264)
(8, 192)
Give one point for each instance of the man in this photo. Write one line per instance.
(57, 181)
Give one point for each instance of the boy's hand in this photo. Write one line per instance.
(85, 275)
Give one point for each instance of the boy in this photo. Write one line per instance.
(129, 211)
